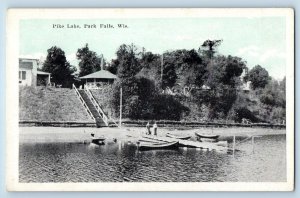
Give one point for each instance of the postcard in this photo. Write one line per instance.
(150, 99)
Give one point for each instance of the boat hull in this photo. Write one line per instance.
(98, 141)
(158, 146)
(198, 135)
(178, 137)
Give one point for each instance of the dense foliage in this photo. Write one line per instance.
(191, 85)
(259, 77)
(200, 85)
(89, 61)
(60, 69)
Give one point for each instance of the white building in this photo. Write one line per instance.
(29, 75)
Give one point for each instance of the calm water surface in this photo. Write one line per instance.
(121, 161)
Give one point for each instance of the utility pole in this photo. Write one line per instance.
(162, 69)
(120, 122)
(233, 149)
(101, 64)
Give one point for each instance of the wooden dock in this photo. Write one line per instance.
(189, 143)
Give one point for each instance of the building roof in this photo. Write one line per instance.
(246, 86)
(24, 58)
(42, 73)
(205, 87)
(102, 74)
(25, 65)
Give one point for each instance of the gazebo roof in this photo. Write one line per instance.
(102, 74)
(42, 73)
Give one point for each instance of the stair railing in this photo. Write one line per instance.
(98, 108)
(83, 102)
(114, 122)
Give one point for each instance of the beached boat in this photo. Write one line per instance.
(97, 140)
(157, 146)
(206, 136)
(144, 140)
(178, 137)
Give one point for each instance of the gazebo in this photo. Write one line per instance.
(98, 79)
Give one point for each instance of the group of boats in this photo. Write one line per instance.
(151, 143)
(170, 141)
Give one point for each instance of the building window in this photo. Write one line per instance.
(23, 75)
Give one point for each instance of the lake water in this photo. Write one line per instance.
(121, 161)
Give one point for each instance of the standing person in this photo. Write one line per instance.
(155, 129)
(148, 129)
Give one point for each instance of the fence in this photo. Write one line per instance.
(98, 108)
(83, 102)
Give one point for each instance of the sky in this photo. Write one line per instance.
(257, 40)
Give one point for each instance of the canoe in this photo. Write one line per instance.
(178, 137)
(208, 136)
(157, 146)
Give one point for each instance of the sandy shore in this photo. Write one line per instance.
(63, 134)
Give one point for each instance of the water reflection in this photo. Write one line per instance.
(121, 161)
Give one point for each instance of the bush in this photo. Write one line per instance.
(166, 107)
(141, 100)
(243, 112)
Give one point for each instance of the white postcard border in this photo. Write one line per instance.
(12, 129)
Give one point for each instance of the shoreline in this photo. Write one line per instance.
(142, 123)
(83, 134)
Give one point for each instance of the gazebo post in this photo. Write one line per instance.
(49, 81)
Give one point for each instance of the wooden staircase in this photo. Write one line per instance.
(92, 107)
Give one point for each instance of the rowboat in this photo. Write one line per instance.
(178, 137)
(207, 136)
(144, 140)
(157, 146)
(98, 140)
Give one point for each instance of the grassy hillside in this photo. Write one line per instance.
(103, 97)
(50, 104)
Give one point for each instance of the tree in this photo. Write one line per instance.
(127, 61)
(210, 47)
(60, 69)
(183, 68)
(168, 107)
(138, 96)
(150, 65)
(113, 66)
(227, 70)
(89, 61)
(259, 77)
(223, 79)
(274, 94)
(194, 69)
(169, 75)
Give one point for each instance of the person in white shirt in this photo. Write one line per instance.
(155, 129)
(148, 129)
